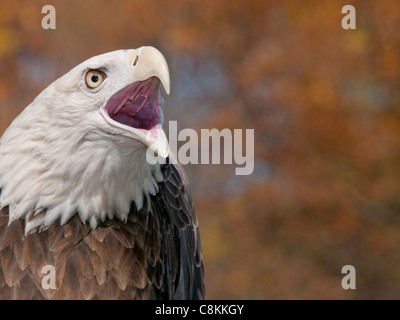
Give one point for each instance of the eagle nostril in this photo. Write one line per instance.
(136, 61)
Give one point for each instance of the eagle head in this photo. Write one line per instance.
(80, 146)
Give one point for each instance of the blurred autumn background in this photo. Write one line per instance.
(324, 103)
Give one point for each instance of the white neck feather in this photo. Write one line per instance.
(68, 164)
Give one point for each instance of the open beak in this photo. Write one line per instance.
(138, 106)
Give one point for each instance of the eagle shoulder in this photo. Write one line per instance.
(155, 254)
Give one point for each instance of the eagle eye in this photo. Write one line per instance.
(94, 78)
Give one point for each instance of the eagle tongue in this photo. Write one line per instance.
(118, 100)
(133, 107)
(137, 105)
(126, 119)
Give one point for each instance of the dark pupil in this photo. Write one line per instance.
(95, 78)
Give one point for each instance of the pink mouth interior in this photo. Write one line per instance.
(137, 105)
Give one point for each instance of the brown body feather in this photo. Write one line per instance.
(155, 254)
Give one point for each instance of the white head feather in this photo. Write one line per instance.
(65, 155)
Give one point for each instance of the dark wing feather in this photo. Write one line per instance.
(181, 247)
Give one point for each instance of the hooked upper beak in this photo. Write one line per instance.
(149, 62)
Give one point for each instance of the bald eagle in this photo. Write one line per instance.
(79, 196)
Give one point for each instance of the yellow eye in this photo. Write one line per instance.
(94, 78)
